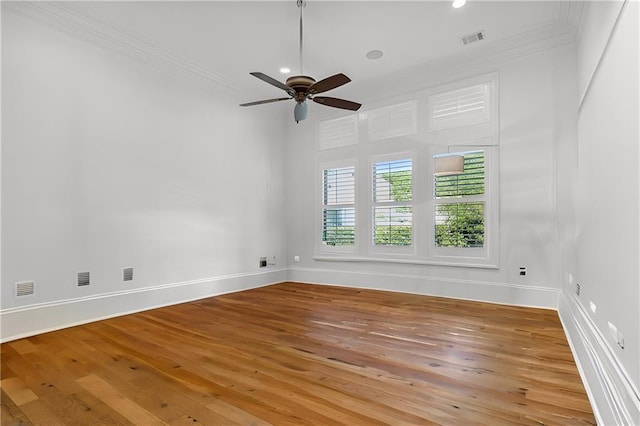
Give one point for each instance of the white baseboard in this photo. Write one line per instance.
(25, 321)
(614, 398)
(482, 291)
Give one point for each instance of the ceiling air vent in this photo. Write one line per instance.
(127, 274)
(25, 288)
(473, 37)
(83, 279)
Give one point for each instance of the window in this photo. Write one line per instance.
(429, 193)
(393, 121)
(337, 133)
(338, 206)
(392, 203)
(459, 204)
(461, 107)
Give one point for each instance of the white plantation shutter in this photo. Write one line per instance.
(393, 121)
(460, 107)
(393, 203)
(338, 209)
(338, 132)
(459, 205)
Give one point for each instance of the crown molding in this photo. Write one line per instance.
(64, 16)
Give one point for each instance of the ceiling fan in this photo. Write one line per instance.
(302, 87)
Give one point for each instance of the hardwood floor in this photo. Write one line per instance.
(301, 354)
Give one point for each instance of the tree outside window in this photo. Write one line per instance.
(460, 205)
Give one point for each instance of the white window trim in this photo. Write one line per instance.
(487, 255)
(325, 248)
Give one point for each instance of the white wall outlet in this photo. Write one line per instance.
(272, 261)
(296, 258)
(592, 306)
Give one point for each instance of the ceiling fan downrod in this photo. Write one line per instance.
(301, 4)
(301, 88)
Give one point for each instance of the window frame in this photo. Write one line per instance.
(419, 145)
(322, 247)
(469, 256)
(374, 249)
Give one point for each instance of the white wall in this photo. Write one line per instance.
(107, 163)
(598, 195)
(537, 95)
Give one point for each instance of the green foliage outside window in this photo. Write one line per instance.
(463, 226)
(397, 232)
(339, 236)
(461, 223)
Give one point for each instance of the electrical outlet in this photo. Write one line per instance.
(263, 262)
(271, 261)
(616, 334)
(620, 339)
(522, 271)
(592, 306)
(296, 258)
(613, 330)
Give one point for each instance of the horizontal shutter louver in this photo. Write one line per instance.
(338, 133)
(338, 212)
(460, 107)
(459, 218)
(393, 121)
(392, 198)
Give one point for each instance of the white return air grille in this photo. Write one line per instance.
(461, 107)
(127, 274)
(338, 132)
(84, 279)
(25, 288)
(472, 38)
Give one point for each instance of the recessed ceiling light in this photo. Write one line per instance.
(285, 70)
(458, 3)
(374, 54)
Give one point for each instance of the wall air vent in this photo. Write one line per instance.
(83, 279)
(473, 37)
(25, 288)
(127, 274)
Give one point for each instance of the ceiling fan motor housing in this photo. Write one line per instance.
(300, 83)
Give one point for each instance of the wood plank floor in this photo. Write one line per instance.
(300, 354)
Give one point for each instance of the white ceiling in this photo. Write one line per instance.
(233, 38)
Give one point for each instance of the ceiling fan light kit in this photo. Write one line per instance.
(302, 87)
(449, 165)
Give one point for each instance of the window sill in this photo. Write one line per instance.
(355, 259)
